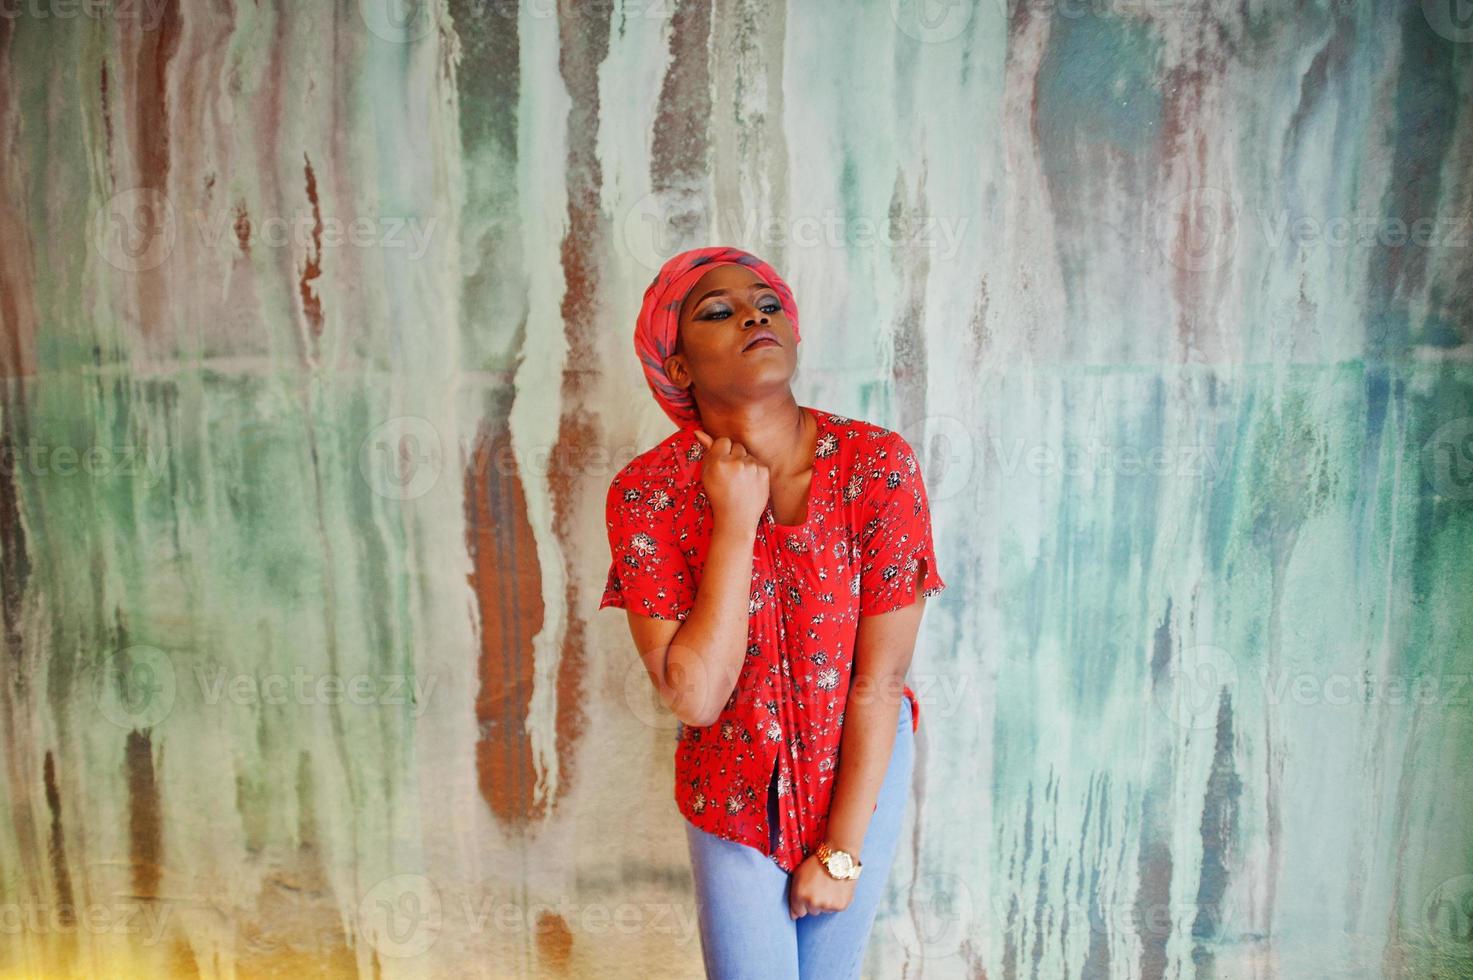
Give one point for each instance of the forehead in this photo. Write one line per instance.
(720, 277)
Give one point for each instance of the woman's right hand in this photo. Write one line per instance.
(735, 482)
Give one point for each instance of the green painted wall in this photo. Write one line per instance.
(316, 349)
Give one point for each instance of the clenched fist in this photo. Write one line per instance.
(735, 482)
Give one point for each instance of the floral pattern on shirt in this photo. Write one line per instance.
(859, 552)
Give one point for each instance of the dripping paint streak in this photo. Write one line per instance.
(145, 823)
(505, 579)
(57, 849)
(311, 302)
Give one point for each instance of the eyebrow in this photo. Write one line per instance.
(722, 292)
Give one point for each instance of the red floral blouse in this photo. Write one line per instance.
(858, 553)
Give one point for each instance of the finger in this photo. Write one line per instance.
(738, 451)
(705, 439)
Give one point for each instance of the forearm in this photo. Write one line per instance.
(871, 717)
(707, 652)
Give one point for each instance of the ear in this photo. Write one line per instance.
(675, 370)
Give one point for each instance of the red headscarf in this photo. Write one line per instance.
(658, 325)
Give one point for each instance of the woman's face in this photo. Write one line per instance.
(723, 314)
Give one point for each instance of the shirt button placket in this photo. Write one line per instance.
(786, 703)
(763, 552)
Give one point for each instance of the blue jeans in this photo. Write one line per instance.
(742, 895)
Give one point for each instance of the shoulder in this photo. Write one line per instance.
(880, 468)
(861, 443)
(671, 465)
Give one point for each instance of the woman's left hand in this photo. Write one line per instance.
(812, 889)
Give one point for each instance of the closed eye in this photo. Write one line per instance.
(718, 311)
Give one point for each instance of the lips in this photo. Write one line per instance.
(762, 338)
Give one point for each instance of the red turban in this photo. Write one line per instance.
(658, 325)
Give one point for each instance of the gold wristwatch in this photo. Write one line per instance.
(839, 864)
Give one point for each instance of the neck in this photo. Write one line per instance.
(777, 431)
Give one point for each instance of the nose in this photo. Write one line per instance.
(761, 320)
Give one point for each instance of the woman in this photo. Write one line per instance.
(774, 561)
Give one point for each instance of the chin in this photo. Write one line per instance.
(772, 369)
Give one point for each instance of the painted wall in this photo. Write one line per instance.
(317, 365)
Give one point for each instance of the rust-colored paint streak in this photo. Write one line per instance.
(145, 819)
(311, 302)
(17, 317)
(584, 43)
(681, 138)
(107, 127)
(567, 471)
(242, 227)
(505, 578)
(1182, 142)
(150, 145)
(57, 848)
(15, 556)
(181, 960)
(1182, 87)
(155, 50)
(554, 942)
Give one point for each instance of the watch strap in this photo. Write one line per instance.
(825, 852)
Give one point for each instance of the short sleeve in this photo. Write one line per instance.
(648, 573)
(895, 532)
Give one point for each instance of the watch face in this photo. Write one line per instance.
(843, 864)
